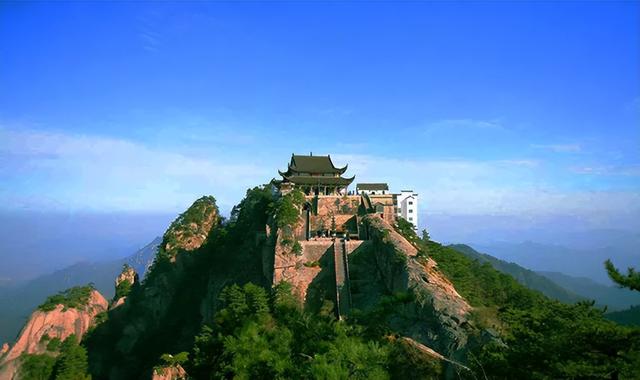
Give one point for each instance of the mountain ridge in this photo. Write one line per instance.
(212, 305)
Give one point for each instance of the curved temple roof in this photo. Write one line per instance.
(312, 165)
(316, 180)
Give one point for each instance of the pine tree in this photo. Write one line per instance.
(72, 363)
(631, 280)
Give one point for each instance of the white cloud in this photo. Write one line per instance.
(463, 124)
(559, 148)
(80, 171)
(609, 170)
(485, 187)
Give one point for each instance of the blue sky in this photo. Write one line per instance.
(496, 108)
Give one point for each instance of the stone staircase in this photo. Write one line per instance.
(343, 290)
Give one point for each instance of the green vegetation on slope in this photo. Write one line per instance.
(170, 305)
(526, 277)
(629, 317)
(123, 289)
(37, 366)
(287, 208)
(74, 298)
(69, 364)
(257, 335)
(541, 338)
(611, 296)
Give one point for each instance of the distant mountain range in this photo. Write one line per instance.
(526, 277)
(573, 262)
(18, 301)
(613, 297)
(559, 286)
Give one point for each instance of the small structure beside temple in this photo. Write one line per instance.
(372, 188)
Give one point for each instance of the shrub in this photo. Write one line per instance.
(297, 248)
(36, 367)
(288, 208)
(174, 360)
(123, 289)
(74, 298)
(54, 344)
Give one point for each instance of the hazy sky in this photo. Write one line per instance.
(529, 109)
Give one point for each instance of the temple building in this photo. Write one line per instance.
(330, 209)
(314, 175)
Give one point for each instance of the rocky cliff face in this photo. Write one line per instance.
(129, 275)
(436, 314)
(190, 230)
(61, 322)
(186, 234)
(169, 373)
(125, 281)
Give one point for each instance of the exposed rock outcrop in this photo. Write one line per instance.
(125, 281)
(437, 316)
(128, 274)
(175, 372)
(190, 230)
(61, 322)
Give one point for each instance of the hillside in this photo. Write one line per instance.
(245, 298)
(17, 302)
(630, 316)
(613, 297)
(526, 277)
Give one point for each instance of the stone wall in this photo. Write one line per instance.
(341, 208)
(300, 270)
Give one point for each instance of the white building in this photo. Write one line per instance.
(407, 206)
(406, 202)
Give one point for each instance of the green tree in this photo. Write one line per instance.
(36, 367)
(297, 248)
(75, 298)
(333, 224)
(631, 280)
(72, 362)
(425, 236)
(175, 360)
(288, 207)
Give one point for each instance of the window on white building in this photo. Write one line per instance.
(410, 211)
(410, 203)
(410, 219)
